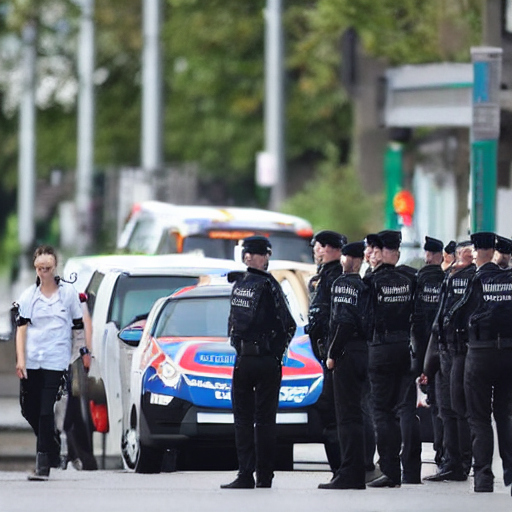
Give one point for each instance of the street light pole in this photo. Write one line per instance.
(151, 91)
(274, 100)
(85, 159)
(27, 149)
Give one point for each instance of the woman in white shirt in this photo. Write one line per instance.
(48, 311)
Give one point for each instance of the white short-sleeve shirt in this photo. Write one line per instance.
(48, 343)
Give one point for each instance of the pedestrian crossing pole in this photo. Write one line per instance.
(484, 137)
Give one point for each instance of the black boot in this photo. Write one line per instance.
(242, 481)
(42, 471)
(264, 479)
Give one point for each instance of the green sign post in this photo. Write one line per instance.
(485, 132)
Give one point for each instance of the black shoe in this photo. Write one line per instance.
(411, 481)
(485, 489)
(383, 481)
(42, 471)
(240, 482)
(339, 483)
(447, 475)
(264, 481)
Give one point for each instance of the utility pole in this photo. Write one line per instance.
(85, 159)
(485, 133)
(27, 150)
(274, 100)
(152, 123)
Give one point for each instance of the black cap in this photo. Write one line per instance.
(354, 249)
(450, 247)
(503, 245)
(433, 244)
(256, 245)
(483, 240)
(326, 237)
(373, 240)
(390, 239)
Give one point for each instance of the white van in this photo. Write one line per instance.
(161, 228)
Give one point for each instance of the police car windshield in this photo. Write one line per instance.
(201, 317)
(286, 246)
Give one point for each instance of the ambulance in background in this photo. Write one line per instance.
(161, 228)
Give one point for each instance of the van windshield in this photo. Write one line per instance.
(285, 246)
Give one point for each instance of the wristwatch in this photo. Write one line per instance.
(84, 351)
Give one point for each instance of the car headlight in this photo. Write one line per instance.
(168, 373)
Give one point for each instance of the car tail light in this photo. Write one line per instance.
(99, 416)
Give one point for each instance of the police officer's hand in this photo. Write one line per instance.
(329, 363)
(21, 370)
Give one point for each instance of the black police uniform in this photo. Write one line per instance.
(260, 327)
(349, 350)
(389, 361)
(450, 391)
(485, 313)
(426, 302)
(318, 330)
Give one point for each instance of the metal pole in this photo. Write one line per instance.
(274, 99)
(85, 159)
(151, 90)
(485, 132)
(27, 148)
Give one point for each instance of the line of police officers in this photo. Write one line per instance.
(448, 325)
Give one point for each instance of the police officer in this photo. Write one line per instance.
(391, 292)
(502, 252)
(426, 302)
(327, 246)
(260, 327)
(348, 358)
(486, 311)
(452, 353)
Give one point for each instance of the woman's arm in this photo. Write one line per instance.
(21, 338)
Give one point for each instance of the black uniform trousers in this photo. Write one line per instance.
(326, 410)
(38, 394)
(488, 385)
(349, 377)
(452, 408)
(389, 371)
(255, 398)
(370, 442)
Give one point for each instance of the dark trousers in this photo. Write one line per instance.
(452, 408)
(370, 442)
(389, 366)
(437, 422)
(410, 430)
(327, 413)
(255, 397)
(488, 384)
(349, 377)
(38, 394)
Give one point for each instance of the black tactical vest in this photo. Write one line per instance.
(391, 302)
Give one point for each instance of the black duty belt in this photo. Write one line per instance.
(251, 348)
(499, 343)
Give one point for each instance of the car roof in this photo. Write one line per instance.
(146, 265)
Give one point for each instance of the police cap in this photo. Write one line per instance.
(450, 247)
(503, 245)
(326, 237)
(433, 244)
(483, 240)
(354, 249)
(390, 239)
(373, 240)
(256, 245)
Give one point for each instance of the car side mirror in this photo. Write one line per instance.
(131, 336)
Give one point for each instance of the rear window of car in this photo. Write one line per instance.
(199, 317)
(134, 295)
